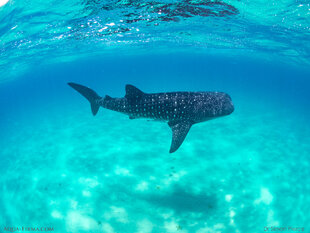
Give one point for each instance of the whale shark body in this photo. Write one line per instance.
(180, 109)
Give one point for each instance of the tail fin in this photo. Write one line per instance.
(89, 94)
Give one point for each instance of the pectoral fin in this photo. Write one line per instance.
(179, 132)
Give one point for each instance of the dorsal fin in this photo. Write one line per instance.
(179, 132)
(133, 93)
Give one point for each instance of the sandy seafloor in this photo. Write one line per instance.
(64, 168)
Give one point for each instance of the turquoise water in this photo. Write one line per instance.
(65, 169)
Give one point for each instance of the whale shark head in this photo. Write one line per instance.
(213, 105)
(228, 106)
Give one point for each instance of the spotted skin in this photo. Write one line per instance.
(180, 109)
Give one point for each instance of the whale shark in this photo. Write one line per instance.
(180, 110)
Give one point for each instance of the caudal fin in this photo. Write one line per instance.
(89, 94)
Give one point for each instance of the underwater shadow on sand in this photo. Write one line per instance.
(180, 200)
